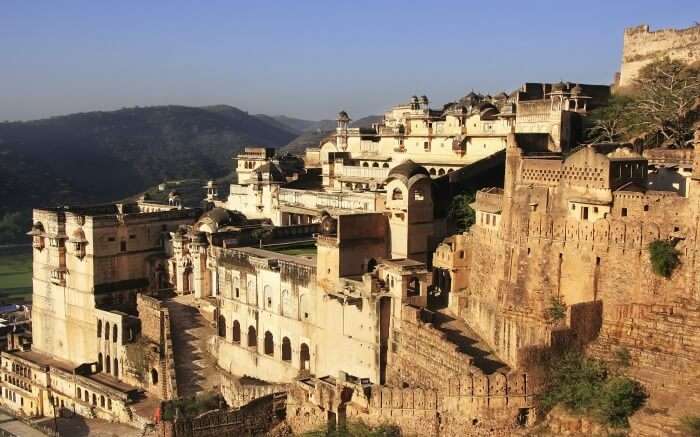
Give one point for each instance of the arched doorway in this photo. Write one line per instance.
(222, 326)
(252, 338)
(236, 332)
(286, 349)
(304, 357)
(154, 377)
(269, 344)
(371, 264)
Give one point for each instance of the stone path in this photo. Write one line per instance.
(13, 426)
(459, 333)
(194, 366)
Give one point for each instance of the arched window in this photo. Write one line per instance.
(116, 367)
(286, 349)
(99, 362)
(109, 404)
(449, 170)
(252, 338)
(432, 171)
(99, 328)
(304, 310)
(80, 393)
(222, 326)
(397, 194)
(236, 332)
(267, 296)
(102, 401)
(304, 357)
(371, 264)
(115, 331)
(286, 303)
(154, 377)
(251, 293)
(413, 287)
(375, 164)
(365, 164)
(269, 344)
(94, 399)
(385, 165)
(441, 172)
(106, 330)
(108, 365)
(87, 396)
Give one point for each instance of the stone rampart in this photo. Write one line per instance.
(642, 46)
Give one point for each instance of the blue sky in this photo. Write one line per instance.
(303, 58)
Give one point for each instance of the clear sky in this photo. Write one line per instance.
(303, 58)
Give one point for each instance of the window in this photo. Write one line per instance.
(236, 332)
(114, 333)
(418, 195)
(99, 328)
(286, 350)
(304, 357)
(624, 212)
(269, 344)
(646, 207)
(426, 145)
(252, 338)
(122, 246)
(107, 331)
(397, 194)
(222, 326)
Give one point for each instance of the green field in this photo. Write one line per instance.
(16, 275)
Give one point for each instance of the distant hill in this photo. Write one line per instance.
(106, 155)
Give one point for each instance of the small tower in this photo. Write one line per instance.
(174, 199)
(342, 130)
(424, 102)
(212, 192)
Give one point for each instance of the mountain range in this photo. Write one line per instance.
(105, 155)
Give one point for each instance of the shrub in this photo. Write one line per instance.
(357, 429)
(192, 407)
(583, 386)
(556, 310)
(664, 257)
(460, 213)
(691, 425)
(619, 398)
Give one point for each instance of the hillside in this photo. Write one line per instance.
(312, 137)
(101, 156)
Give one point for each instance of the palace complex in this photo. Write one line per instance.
(337, 279)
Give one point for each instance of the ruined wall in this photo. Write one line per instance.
(255, 418)
(642, 46)
(421, 356)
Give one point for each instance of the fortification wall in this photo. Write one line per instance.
(642, 46)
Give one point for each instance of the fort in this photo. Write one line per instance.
(642, 46)
(334, 287)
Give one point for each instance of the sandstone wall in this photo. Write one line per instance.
(642, 46)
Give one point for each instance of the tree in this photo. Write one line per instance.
(611, 123)
(460, 213)
(556, 310)
(663, 257)
(261, 234)
(667, 90)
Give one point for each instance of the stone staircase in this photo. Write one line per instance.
(467, 341)
(194, 367)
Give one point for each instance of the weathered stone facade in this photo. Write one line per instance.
(642, 46)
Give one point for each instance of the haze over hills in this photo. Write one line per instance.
(105, 155)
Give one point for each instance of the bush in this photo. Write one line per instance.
(192, 407)
(691, 425)
(357, 429)
(663, 257)
(556, 310)
(583, 386)
(460, 213)
(619, 398)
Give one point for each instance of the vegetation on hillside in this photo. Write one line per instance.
(663, 257)
(691, 426)
(103, 156)
(193, 406)
(587, 386)
(357, 429)
(659, 106)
